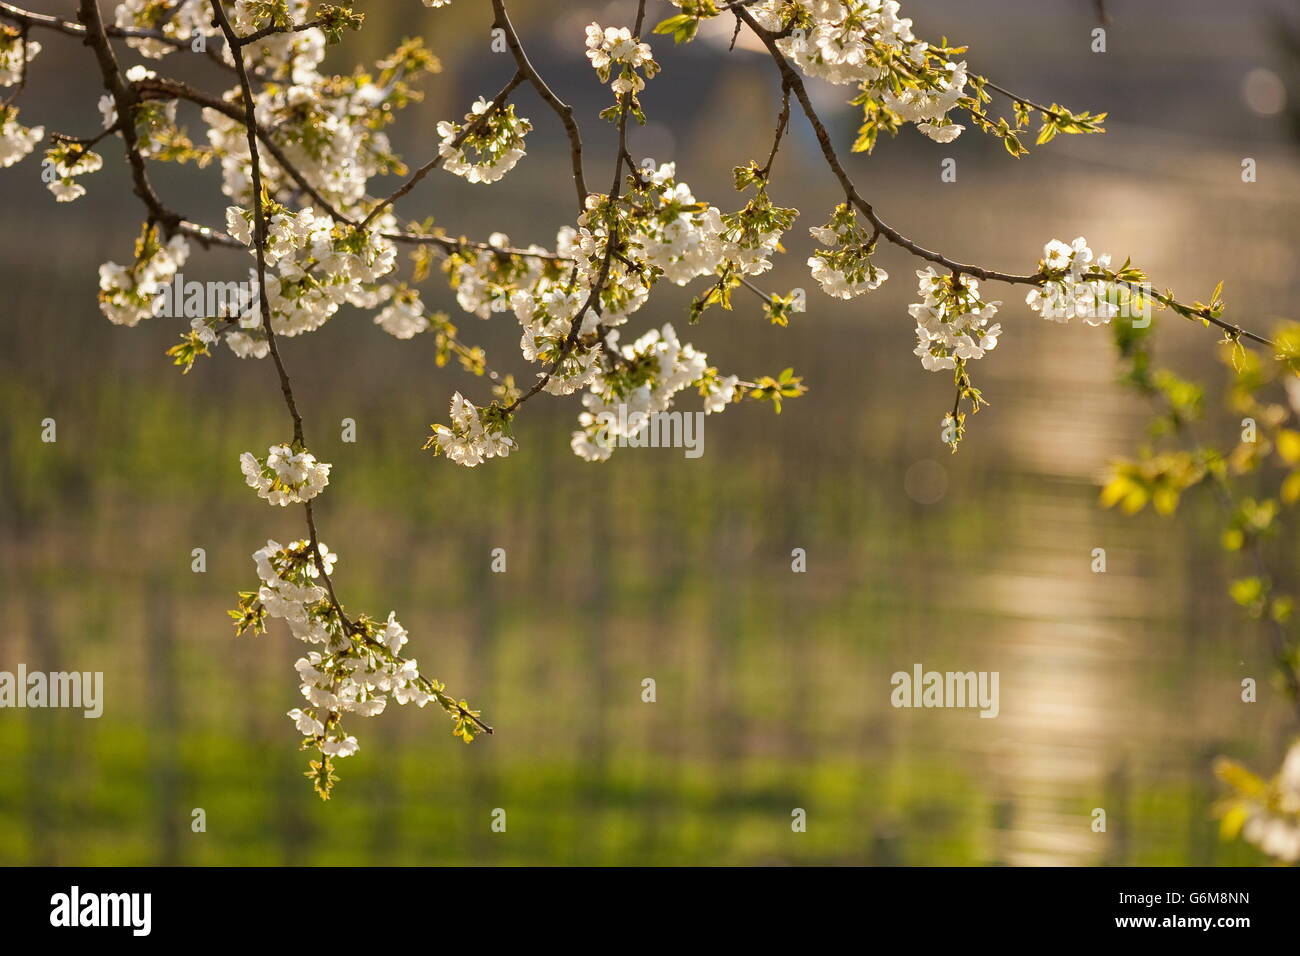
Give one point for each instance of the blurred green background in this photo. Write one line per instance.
(1117, 689)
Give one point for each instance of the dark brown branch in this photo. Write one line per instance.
(124, 100)
(448, 244)
(1017, 98)
(782, 123)
(163, 88)
(72, 28)
(790, 78)
(272, 30)
(611, 240)
(560, 108)
(259, 215)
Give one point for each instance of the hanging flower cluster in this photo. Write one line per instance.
(285, 476)
(474, 434)
(844, 269)
(355, 667)
(319, 265)
(69, 160)
(653, 370)
(902, 79)
(660, 231)
(403, 317)
(128, 294)
(613, 51)
(486, 146)
(16, 141)
(485, 279)
(329, 128)
(15, 54)
(952, 321)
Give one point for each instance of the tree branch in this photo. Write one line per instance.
(791, 79)
(259, 214)
(561, 109)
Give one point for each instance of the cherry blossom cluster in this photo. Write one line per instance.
(1068, 293)
(952, 321)
(653, 370)
(473, 436)
(14, 53)
(663, 231)
(547, 319)
(128, 294)
(486, 146)
(182, 22)
(16, 141)
(319, 265)
(868, 44)
(404, 316)
(328, 136)
(291, 588)
(844, 269)
(330, 129)
(684, 238)
(285, 476)
(680, 236)
(70, 160)
(486, 279)
(355, 668)
(613, 51)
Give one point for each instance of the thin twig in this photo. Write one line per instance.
(615, 190)
(560, 108)
(259, 215)
(438, 160)
(790, 78)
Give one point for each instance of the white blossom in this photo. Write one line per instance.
(16, 141)
(128, 294)
(469, 440)
(184, 21)
(497, 141)
(1067, 293)
(612, 410)
(71, 160)
(285, 476)
(611, 47)
(845, 268)
(952, 322)
(12, 53)
(404, 316)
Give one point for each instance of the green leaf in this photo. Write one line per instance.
(682, 27)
